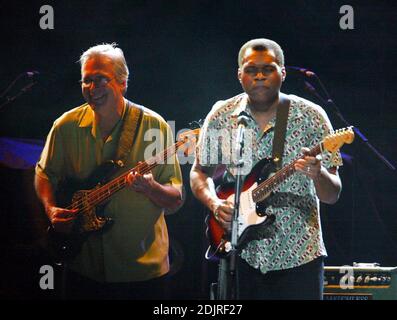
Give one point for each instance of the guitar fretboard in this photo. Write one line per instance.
(271, 183)
(101, 194)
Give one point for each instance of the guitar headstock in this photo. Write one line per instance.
(333, 142)
(185, 136)
(189, 139)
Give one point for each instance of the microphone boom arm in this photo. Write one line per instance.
(329, 102)
(23, 90)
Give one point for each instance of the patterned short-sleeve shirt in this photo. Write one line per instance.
(296, 236)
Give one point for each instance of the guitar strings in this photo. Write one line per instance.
(285, 172)
(98, 195)
(119, 182)
(116, 185)
(142, 168)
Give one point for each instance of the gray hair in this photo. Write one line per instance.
(262, 45)
(113, 53)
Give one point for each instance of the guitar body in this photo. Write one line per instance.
(252, 220)
(76, 194)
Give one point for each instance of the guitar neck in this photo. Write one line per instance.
(104, 192)
(267, 186)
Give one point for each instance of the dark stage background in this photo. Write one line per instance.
(183, 58)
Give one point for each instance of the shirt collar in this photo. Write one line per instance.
(242, 106)
(88, 117)
(87, 120)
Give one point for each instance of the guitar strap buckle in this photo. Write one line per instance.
(276, 161)
(120, 163)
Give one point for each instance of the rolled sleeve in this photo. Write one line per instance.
(324, 128)
(51, 163)
(170, 172)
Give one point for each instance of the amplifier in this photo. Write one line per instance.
(360, 282)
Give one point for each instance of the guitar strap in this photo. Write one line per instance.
(280, 131)
(132, 120)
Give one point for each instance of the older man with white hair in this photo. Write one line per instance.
(130, 259)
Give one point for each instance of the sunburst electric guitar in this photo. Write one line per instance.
(90, 196)
(257, 187)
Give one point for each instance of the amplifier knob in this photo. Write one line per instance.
(374, 279)
(383, 279)
(359, 279)
(366, 279)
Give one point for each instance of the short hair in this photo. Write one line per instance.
(262, 45)
(113, 53)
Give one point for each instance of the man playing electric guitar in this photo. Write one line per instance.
(130, 259)
(287, 262)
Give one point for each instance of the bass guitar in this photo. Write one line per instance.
(89, 197)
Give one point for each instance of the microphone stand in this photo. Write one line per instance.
(330, 103)
(228, 266)
(23, 90)
(11, 84)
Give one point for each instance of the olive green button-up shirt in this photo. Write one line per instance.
(135, 248)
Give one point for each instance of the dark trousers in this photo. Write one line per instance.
(301, 283)
(78, 287)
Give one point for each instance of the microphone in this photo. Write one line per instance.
(31, 74)
(300, 70)
(242, 119)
